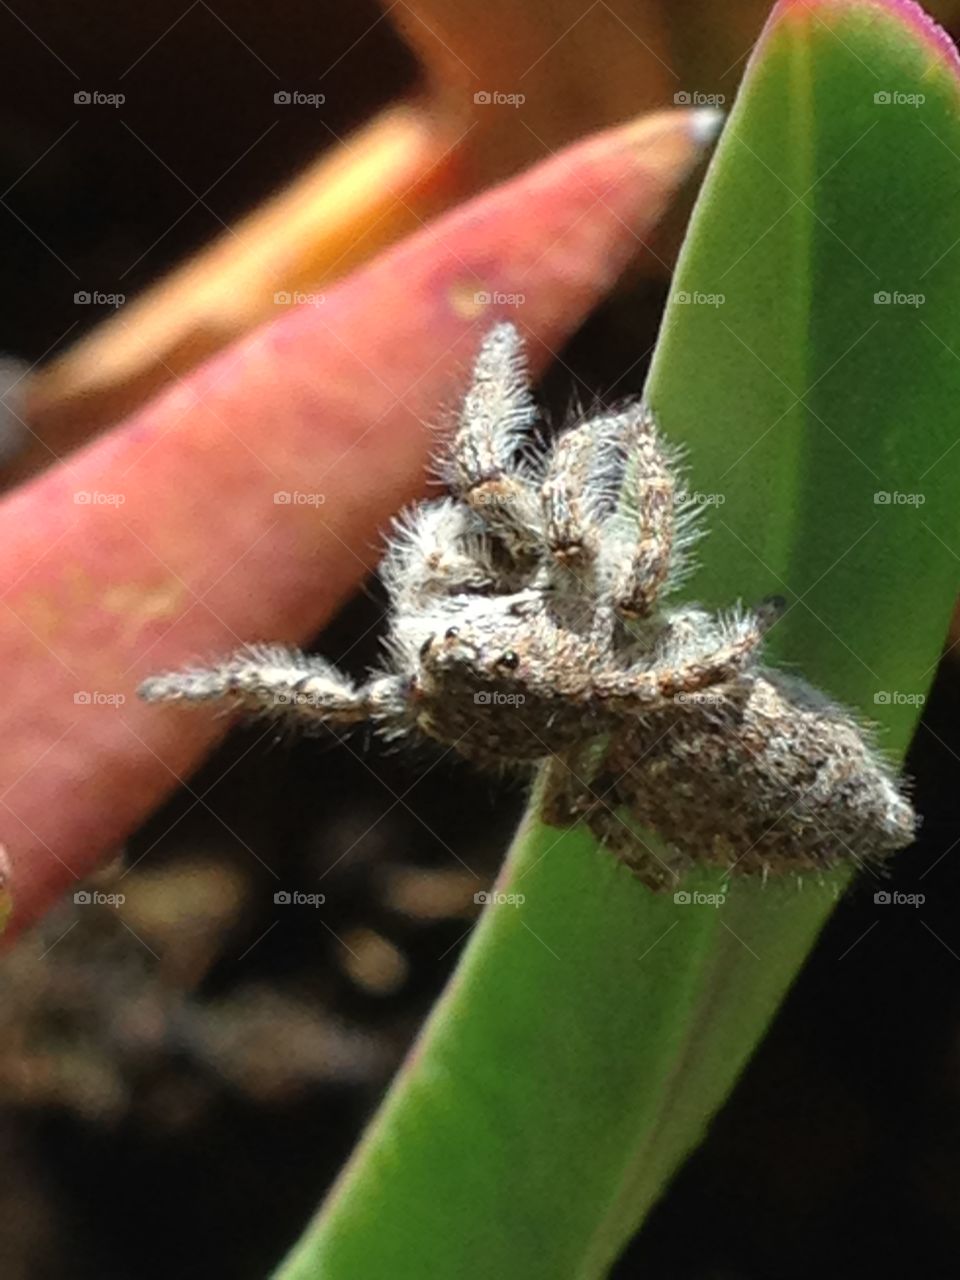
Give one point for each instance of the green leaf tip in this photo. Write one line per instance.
(827, 14)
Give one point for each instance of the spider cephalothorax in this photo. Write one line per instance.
(528, 624)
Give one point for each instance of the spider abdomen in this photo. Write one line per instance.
(777, 782)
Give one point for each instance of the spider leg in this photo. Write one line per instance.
(686, 665)
(498, 411)
(647, 537)
(567, 792)
(272, 680)
(439, 560)
(437, 549)
(570, 678)
(610, 516)
(577, 676)
(572, 496)
(579, 495)
(658, 871)
(567, 799)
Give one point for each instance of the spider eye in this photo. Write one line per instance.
(509, 660)
(451, 633)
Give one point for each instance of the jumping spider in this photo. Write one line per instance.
(528, 625)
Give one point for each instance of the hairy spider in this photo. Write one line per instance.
(528, 625)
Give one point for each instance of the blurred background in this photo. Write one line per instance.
(181, 1080)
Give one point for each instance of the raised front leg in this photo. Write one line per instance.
(437, 549)
(481, 466)
(579, 496)
(569, 676)
(646, 539)
(581, 487)
(693, 666)
(271, 680)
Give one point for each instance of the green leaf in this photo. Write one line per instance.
(591, 1032)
